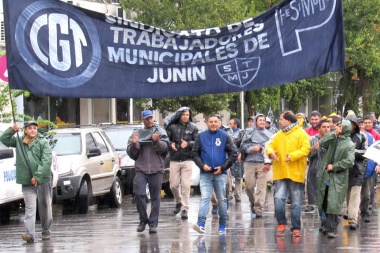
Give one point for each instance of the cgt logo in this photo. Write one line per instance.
(60, 44)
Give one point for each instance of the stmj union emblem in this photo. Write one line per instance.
(240, 71)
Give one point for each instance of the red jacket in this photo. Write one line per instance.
(374, 133)
(311, 131)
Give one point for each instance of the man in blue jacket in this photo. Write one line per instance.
(214, 152)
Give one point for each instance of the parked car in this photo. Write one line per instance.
(10, 192)
(88, 168)
(119, 135)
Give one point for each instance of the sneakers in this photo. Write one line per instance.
(45, 237)
(184, 215)
(280, 230)
(331, 234)
(215, 209)
(199, 227)
(296, 233)
(152, 230)
(222, 228)
(27, 238)
(141, 226)
(366, 218)
(177, 208)
(345, 216)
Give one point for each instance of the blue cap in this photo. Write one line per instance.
(147, 113)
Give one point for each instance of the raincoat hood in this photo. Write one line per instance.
(346, 127)
(352, 118)
(255, 119)
(174, 118)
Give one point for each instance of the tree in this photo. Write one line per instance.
(362, 74)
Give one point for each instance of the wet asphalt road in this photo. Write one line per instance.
(114, 230)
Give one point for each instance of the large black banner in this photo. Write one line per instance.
(57, 49)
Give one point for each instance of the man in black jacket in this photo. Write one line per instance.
(356, 173)
(182, 134)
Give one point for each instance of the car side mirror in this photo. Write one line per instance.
(92, 152)
(6, 153)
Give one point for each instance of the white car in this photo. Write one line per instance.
(88, 168)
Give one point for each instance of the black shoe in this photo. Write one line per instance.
(353, 225)
(345, 216)
(184, 215)
(323, 226)
(309, 209)
(152, 230)
(141, 226)
(177, 208)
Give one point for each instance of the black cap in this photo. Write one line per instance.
(31, 122)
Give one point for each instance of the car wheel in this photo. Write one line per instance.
(116, 194)
(82, 201)
(5, 214)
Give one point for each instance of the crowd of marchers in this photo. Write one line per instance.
(320, 162)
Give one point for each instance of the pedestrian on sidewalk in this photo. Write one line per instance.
(255, 164)
(33, 162)
(333, 174)
(182, 133)
(213, 152)
(288, 151)
(148, 146)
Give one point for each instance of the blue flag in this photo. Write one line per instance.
(57, 49)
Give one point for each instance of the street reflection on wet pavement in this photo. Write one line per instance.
(114, 230)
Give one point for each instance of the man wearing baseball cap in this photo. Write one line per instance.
(148, 146)
(34, 174)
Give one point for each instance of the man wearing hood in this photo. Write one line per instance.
(333, 174)
(288, 151)
(255, 166)
(356, 172)
(182, 134)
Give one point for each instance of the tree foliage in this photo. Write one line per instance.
(361, 76)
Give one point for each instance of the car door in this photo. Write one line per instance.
(104, 178)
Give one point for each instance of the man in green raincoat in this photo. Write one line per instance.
(333, 173)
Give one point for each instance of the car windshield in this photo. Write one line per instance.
(68, 144)
(119, 137)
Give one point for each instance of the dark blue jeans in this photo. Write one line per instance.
(154, 182)
(296, 192)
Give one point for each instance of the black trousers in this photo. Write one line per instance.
(154, 182)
